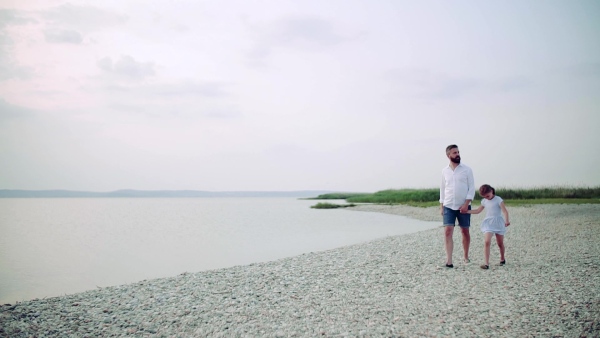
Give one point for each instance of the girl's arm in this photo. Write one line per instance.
(476, 211)
(505, 212)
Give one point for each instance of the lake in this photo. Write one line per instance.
(56, 246)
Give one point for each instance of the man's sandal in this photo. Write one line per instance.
(485, 267)
(502, 262)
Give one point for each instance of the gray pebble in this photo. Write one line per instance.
(394, 286)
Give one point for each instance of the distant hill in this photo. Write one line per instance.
(6, 193)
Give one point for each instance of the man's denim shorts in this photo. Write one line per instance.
(450, 217)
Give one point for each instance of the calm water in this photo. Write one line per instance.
(52, 247)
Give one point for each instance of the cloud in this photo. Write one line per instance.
(425, 84)
(187, 88)
(14, 17)
(165, 90)
(180, 109)
(9, 111)
(311, 29)
(9, 67)
(509, 85)
(303, 33)
(421, 83)
(63, 36)
(183, 99)
(126, 67)
(586, 71)
(63, 23)
(85, 18)
(129, 86)
(11, 70)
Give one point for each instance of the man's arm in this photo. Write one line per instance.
(465, 207)
(471, 182)
(442, 194)
(470, 191)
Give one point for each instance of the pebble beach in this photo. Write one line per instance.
(392, 287)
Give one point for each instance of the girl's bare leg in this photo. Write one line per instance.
(500, 241)
(488, 242)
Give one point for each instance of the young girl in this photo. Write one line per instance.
(493, 222)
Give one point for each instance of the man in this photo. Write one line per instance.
(456, 193)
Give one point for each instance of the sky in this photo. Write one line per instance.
(297, 95)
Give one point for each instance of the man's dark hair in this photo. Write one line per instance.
(449, 148)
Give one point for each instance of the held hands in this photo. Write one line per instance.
(464, 209)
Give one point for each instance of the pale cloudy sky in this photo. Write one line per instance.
(297, 95)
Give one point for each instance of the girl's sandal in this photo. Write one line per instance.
(502, 262)
(485, 267)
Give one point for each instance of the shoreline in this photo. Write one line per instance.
(395, 286)
(69, 252)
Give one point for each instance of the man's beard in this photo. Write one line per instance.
(456, 160)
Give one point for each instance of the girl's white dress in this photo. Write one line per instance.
(493, 221)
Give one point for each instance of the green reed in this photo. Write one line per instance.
(422, 197)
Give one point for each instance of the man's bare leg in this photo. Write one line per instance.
(448, 232)
(466, 241)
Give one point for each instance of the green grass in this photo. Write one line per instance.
(553, 201)
(331, 206)
(512, 196)
(398, 196)
(548, 193)
(516, 203)
(337, 196)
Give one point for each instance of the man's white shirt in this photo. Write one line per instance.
(457, 186)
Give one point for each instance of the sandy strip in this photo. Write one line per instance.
(395, 286)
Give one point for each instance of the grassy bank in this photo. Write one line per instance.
(338, 196)
(512, 196)
(331, 206)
